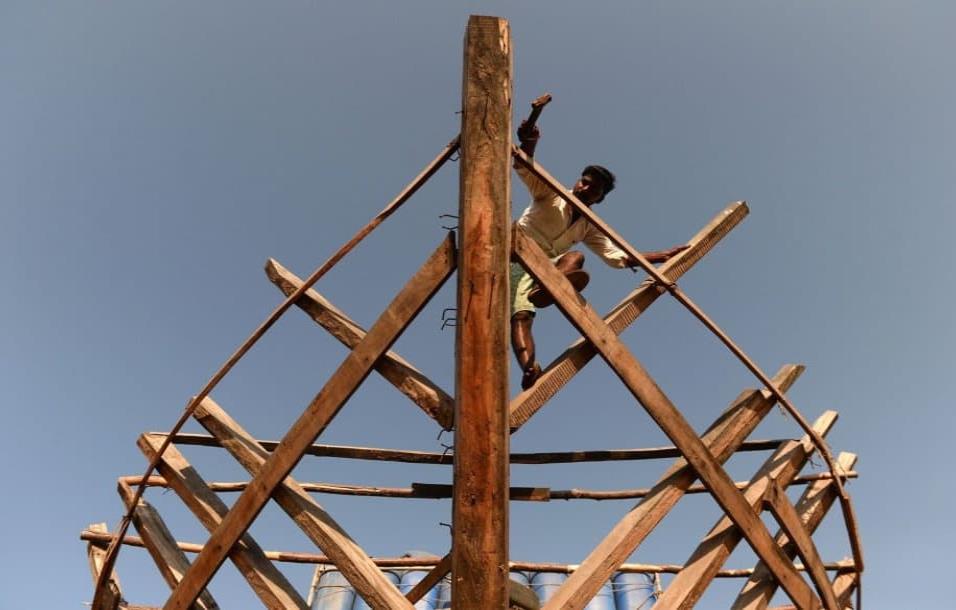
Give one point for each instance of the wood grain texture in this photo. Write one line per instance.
(112, 595)
(433, 400)
(722, 439)
(480, 502)
(812, 506)
(268, 583)
(776, 501)
(662, 411)
(687, 587)
(161, 545)
(364, 576)
(559, 372)
(319, 413)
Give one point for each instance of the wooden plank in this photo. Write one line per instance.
(433, 400)
(813, 505)
(667, 416)
(775, 499)
(434, 576)
(112, 595)
(687, 586)
(557, 374)
(159, 541)
(323, 408)
(268, 583)
(364, 576)
(480, 503)
(844, 585)
(722, 439)
(447, 458)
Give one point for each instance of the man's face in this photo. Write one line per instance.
(588, 189)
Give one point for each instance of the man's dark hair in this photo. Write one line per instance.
(603, 174)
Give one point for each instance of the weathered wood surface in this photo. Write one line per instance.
(687, 587)
(447, 458)
(844, 585)
(364, 576)
(323, 408)
(433, 400)
(662, 411)
(812, 506)
(268, 583)
(559, 372)
(480, 503)
(159, 541)
(722, 438)
(266, 324)
(112, 595)
(775, 500)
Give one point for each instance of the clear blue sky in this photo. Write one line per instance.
(153, 155)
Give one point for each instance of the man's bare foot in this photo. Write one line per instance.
(530, 375)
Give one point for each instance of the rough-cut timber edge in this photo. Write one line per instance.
(161, 545)
(844, 585)
(480, 503)
(268, 583)
(557, 374)
(433, 400)
(364, 576)
(319, 413)
(663, 412)
(722, 438)
(813, 505)
(687, 587)
(96, 554)
(776, 501)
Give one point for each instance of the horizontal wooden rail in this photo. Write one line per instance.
(425, 563)
(427, 457)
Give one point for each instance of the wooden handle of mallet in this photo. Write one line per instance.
(536, 107)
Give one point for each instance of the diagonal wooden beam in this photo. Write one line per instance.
(776, 501)
(433, 400)
(557, 374)
(663, 411)
(723, 438)
(357, 567)
(434, 576)
(112, 595)
(268, 583)
(690, 583)
(812, 506)
(160, 543)
(844, 584)
(319, 413)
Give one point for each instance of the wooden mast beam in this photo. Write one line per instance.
(433, 400)
(319, 413)
(364, 576)
(112, 595)
(559, 372)
(663, 411)
(480, 503)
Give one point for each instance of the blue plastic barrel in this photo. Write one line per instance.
(333, 592)
(360, 603)
(544, 584)
(410, 578)
(634, 591)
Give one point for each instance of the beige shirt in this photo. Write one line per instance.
(548, 221)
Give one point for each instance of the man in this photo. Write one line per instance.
(556, 226)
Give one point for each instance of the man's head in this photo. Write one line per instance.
(595, 182)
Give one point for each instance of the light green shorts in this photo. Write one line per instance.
(521, 284)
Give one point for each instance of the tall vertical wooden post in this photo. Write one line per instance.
(480, 504)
